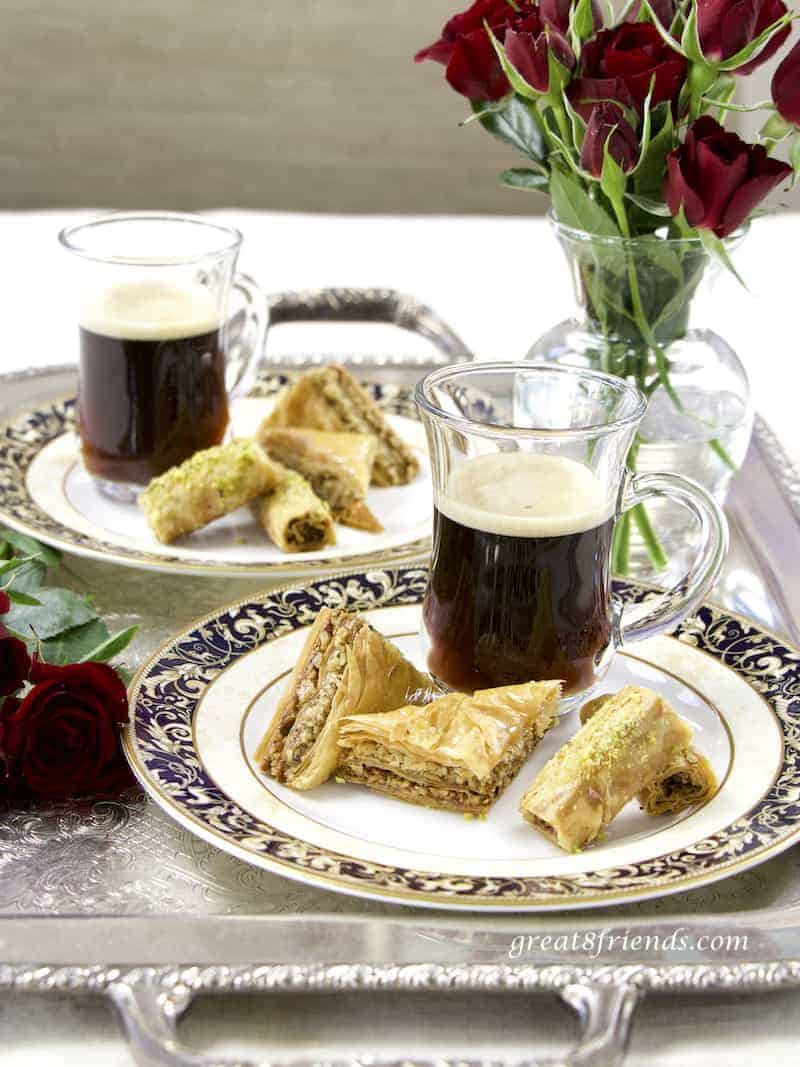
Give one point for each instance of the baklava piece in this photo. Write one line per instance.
(458, 752)
(338, 466)
(345, 667)
(687, 781)
(329, 398)
(624, 747)
(210, 484)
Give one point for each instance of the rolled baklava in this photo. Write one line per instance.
(338, 466)
(207, 486)
(688, 780)
(329, 398)
(293, 515)
(623, 748)
(345, 667)
(458, 752)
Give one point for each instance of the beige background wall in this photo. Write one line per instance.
(281, 104)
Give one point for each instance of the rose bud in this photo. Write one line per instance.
(621, 64)
(718, 178)
(528, 50)
(786, 86)
(5, 603)
(14, 662)
(555, 14)
(63, 738)
(473, 68)
(608, 124)
(727, 26)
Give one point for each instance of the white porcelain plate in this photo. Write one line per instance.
(201, 705)
(47, 493)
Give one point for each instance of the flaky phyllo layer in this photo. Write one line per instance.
(345, 667)
(458, 752)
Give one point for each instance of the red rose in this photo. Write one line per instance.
(528, 47)
(608, 123)
(555, 14)
(63, 737)
(786, 86)
(14, 662)
(466, 50)
(620, 64)
(5, 603)
(727, 26)
(718, 178)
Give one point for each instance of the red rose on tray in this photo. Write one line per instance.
(718, 178)
(727, 26)
(63, 737)
(14, 661)
(620, 64)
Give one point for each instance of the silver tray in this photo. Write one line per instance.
(113, 897)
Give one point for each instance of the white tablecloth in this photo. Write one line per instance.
(499, 283)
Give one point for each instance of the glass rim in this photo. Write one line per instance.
(491, 430)
(67, 238)
(573, 233)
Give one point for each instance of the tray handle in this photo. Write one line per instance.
(369, 305)
(149, 1015)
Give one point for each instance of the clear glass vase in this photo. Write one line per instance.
(635, 300)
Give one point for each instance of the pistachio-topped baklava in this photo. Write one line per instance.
(624, 747)
(458, 752)
(688, 780)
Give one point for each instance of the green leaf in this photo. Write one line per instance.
(794, 157)
(750, 51)
(690, 41)
(72, 646)
(12, 564)
(58, 610)
(518, 83)
(613, 179)
(663, 257)
(573, 206)
(16, 597)
(715, 246)
(29, 577)
(106, 650)
(648, 180)
(524, 178)
(576, 121)
(51, 557)
(516, 124)
(581, 23)
(651, 207)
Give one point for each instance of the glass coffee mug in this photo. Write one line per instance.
(529, 480)
(157, 359)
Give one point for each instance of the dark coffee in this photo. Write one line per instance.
(150, 401)
(528, 600)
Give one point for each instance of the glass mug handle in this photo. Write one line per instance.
(245, 335)
(634, 622)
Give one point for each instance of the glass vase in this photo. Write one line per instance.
(634, 317)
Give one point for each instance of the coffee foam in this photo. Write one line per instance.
(152, 311)
(525, 494)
